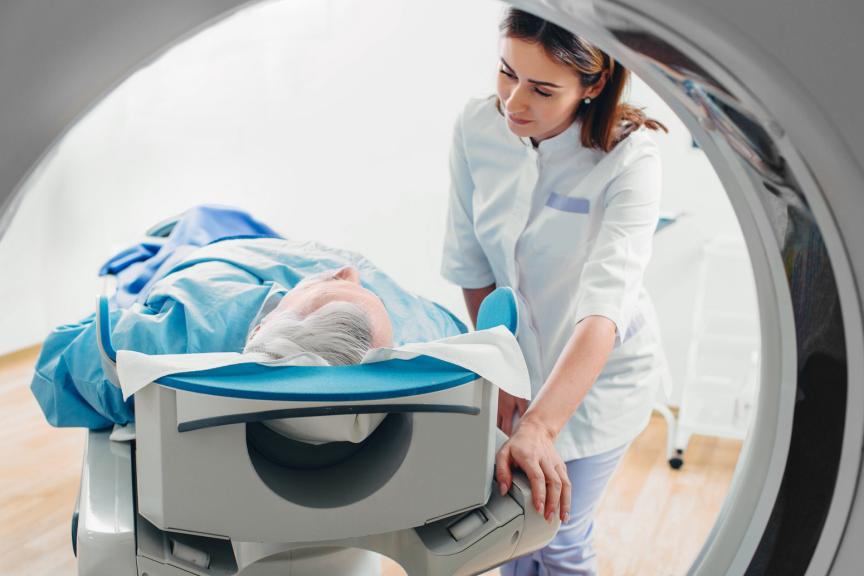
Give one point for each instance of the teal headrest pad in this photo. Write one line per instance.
(499, 309)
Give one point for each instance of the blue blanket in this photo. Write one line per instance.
(139, 267)
(204, 302)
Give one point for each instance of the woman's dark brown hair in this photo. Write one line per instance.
(606, 120)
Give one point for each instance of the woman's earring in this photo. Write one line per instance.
(587, 101)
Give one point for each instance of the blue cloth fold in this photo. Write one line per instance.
(137, 268)
(200, 292)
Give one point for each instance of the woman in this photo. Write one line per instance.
(555, 193)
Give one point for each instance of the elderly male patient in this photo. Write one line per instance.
(330, 315)
(253, 294)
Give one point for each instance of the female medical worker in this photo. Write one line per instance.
(555, 193)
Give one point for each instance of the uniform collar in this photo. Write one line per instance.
(569, 138)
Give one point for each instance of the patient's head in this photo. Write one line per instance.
(329, 314)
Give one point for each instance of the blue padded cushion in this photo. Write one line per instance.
(104, 320)
(499, 309)
(390, 379)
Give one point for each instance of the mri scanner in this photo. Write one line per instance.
(770, 89)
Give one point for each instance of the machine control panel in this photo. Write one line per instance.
(467, 525)
(456, 533)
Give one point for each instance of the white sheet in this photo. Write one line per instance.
(494, 354)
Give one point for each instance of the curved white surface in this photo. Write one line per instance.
(58, 59)
(795, 69)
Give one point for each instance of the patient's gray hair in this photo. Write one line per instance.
(339, 332)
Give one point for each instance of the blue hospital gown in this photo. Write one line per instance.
(206, 303)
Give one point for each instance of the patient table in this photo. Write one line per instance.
(201, 486)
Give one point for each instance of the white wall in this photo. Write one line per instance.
(326, 119)
(690, 188)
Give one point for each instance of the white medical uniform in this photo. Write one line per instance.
(569, 228)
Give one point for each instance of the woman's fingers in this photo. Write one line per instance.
(538, 482)
(502, 469)
(535, 454)
(565, 491)
(553, 487)
(521, 405)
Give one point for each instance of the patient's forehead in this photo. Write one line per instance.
(319, 276)
(319, 289)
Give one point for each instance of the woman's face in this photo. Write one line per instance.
(538, 95)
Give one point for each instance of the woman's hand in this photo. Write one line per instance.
(507, 406)
(532, 450)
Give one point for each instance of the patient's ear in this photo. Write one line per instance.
(253, 332)
(349, 273)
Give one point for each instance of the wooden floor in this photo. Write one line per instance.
(39, 478)
(652, 520)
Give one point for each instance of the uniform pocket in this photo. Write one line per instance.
(560, 231)
(574, 204)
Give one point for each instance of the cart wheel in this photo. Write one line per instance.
(677, 461)
(75, 533)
